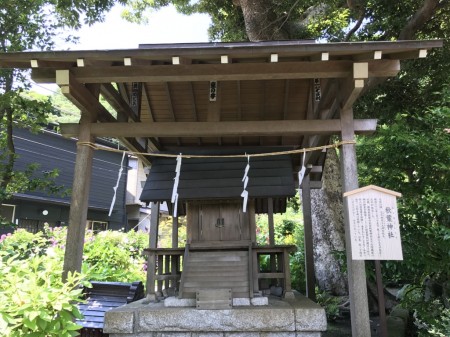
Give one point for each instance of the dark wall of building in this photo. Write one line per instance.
(51, 151)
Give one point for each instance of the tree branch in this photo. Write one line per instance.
(419, 19)
(358, 24)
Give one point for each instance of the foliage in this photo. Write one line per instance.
(165, 232)
(416, 147)
(330, 303)
(33, 299)
(288, 228)
(114, 256)
(431, 317)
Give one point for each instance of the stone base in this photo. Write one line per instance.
(298, 317)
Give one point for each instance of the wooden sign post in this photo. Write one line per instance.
(375, 232)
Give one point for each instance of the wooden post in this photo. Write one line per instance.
(381, 302)
(73, 255)
(273, 262)
(175, 232)
(308, 239)
(153, 242)
(359, 308)
(270, 218)
(174, 258)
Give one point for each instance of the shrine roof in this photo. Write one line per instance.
(170, 97)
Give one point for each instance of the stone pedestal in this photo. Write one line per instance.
(298, 317)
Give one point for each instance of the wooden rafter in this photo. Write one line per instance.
(78, 94)
(170, 105)
(194, 107)
(239, 105)
(114, 98)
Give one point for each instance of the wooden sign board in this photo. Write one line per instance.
(374, 226)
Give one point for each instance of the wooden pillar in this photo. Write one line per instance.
(175, 232)
(273, 261)
(153, 243)
(73, 255)
(308, 240)
(359, 309)
(270, 217)
(174, 260)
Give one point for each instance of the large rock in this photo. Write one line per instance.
(328, 228)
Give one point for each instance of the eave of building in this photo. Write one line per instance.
(259, 83)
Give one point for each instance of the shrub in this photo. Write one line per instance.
(114, 256)
(34, 302)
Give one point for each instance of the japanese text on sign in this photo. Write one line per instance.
(374, 226)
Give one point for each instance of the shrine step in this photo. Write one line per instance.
(214, 299)
(216, 270)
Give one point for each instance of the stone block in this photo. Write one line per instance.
(119, 322)
(179, 302)
(257, 301)
(242, 301)
(207, 334)
(310, 319)
(237, 319)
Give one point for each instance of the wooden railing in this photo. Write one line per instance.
(277, 269)
(167, 270)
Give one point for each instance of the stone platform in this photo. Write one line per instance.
(297, 317)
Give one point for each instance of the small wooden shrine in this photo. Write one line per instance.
(221, 97)
(221, 250)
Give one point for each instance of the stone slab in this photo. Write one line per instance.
(241, 301)
(309, 316)
(237, 319)
(179, 302)
(258, 301)
(298, 317)
(119, 322)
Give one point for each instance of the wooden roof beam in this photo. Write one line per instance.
(84, 100)
(114, 98)
(221, 72)
(222, 129)
(350, 91)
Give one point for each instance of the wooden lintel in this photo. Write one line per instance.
(35, 63)
(221, 72)
(372, 55)
(419, 53)
(221, 129)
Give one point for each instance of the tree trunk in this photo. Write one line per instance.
(328, 229)
(261, 22)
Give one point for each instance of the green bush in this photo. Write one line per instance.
(115, 256)
(34, 302)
